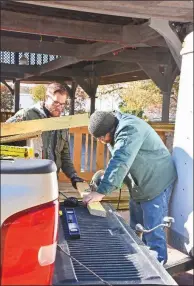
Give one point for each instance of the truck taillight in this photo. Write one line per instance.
(28, 246)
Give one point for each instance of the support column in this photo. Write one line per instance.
(17, 95)
(166, 106)
(181, 208)
(92, 104)
(72, 98)
(89, 85)
(163, 81)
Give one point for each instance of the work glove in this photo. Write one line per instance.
(75, 180)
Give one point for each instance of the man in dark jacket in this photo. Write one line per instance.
(140, 160)
(56, 142)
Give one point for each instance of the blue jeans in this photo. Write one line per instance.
(150, 214)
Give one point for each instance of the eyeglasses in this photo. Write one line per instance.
(57, 103)
(100, 138)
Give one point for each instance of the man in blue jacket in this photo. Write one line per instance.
(138, 153)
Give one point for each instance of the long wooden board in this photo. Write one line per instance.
(20, 137)
(48, 124)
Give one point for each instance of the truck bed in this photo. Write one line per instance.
(110, 248)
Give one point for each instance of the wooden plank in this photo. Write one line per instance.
(157, 125)
(48, 124)
(99, 156)
(15, 138)
(85, 30)
(86, 152)
(95, 208)
(91, 153)
(83, 189)
(162, 126)
(77, 151)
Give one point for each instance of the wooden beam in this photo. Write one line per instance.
(151, 55)
(19, 71)
(60, 48)
(126, 77)
(48, 124)
(36, 46)
(91, 31)
(91, 52)
(172, 40)
(154, 74)
(180, 11)
(9, 68)
(109, 68)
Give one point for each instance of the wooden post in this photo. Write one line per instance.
(164, 81)
(90, 87)
(92, 104)
(72, 98)
(166, 106)
(17, 95)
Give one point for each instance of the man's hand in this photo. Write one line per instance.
(75, 180)
(93, 197)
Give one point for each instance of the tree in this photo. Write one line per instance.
(138, 96)
(175, 89)
(38, 92)
(7, 99)
(80, 100)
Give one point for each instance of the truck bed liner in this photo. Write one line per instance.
(110, 248)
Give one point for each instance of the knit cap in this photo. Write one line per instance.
(101, 123)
